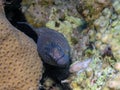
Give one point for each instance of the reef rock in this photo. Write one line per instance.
(39, 12)
(20, 64)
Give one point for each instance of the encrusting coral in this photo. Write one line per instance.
(91, 10)
(38, 12)
(20, 64)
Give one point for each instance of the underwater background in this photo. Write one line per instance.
(92, 28)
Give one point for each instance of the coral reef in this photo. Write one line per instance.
(37, 12)
(107, 34)
(20, 64)
(106, 39)
(91, 10)
(99, 41)
(94, 77)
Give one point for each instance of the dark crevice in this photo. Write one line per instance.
(14, 14)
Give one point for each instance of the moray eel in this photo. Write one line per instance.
(53, 47)
(54, 50)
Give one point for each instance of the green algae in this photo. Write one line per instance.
(99, 74)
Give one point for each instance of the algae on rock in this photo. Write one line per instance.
(37, 12)
(66, 27)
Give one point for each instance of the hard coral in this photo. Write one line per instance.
(38, 12)
(91, 10)
(20, 65)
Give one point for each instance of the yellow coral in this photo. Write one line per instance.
(20, 65)
(75, 86)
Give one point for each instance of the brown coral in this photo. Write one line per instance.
(20, 65)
